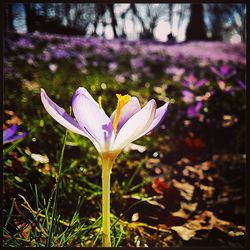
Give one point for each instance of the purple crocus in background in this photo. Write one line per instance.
(9, 134)
(242, 84)
(224, 72)
(226, 88)
(187, 96)
(112, 66)
(24, 43)
(120, 78)
(110, 135)
(193, 83)
(194, 109)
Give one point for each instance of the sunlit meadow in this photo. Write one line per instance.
(182, 184)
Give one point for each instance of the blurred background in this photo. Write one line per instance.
(160, 22)
(181, 185)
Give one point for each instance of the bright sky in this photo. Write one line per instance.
(132, 28)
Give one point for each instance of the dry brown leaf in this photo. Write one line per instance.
(186, 189)
(207, 221)
(180, 213)
(183, 161)
(14, 119)
(152, 162)
(191, 207)
(208, 191)
(206, 165)
(183, 232)
(192, 172)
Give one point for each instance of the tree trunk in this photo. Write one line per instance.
(134, 11)
(217, 23)
(29, 17)
(196, 29)
(113, 19)
(97, 13)
(67, 13)
(180, 17)
(45, 9)
(170, 8)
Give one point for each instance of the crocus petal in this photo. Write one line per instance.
(187, 93)
(60, 115)
(193, 110)
(224, 72)
(198, 106)
(200, 83)
(188, 96)
(9, 132)
(14, 138)
(186, 84)
(91, 117)
(132, 107)
(135, 126)
(160, 115)
(242, 84)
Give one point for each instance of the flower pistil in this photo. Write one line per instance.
(122, 101)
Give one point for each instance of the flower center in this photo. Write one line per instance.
(122, 101)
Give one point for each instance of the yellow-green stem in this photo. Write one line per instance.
(106, 171)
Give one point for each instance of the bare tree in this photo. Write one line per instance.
(100, 10)
(29, 17)
(225, 20)
(216, 17)
(170, 15)
(113, 18)
(148, 17)
(182, 12)
(45, 9)
(196, 29)
(130, 10)
(239, 19)
(67, 13)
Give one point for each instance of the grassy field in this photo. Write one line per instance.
(181, 185)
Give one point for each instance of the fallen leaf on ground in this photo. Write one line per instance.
(186, 189)
(207, 221)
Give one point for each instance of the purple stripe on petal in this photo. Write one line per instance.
(9, 132)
